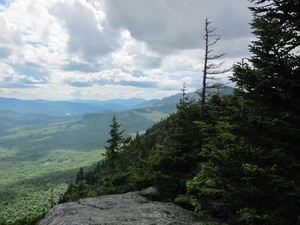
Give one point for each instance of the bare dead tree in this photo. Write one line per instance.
(210, 69)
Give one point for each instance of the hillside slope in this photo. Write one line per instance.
(47, 150)
(40, 154)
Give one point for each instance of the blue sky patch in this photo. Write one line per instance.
(36, 44)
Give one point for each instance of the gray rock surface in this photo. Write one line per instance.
(129, 208)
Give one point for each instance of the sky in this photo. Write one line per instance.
(106, 49)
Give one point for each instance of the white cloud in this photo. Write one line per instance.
(179, 24)
(10, 38)
(88, 37)
(135, 55)
(163, 26)
(124, 48)
(9, 78)
(184, 61)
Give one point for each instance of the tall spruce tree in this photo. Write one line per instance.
(115, 142)
(271, 87)
(252, 147)
(271, 83)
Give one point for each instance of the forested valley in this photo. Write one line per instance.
(233, 159)
(40, 154)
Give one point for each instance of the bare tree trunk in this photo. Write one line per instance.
(211, 39)
(206, 38)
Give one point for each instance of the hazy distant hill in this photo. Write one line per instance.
(66, 108)
(83, 132)
(11, 119)
(78, 106)
(35, 134)
(117, 104)
(15, 112)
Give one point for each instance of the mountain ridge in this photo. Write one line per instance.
(78, 106)
(65, 108)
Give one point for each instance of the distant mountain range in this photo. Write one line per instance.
(37, 127)
(77, 107)
(67, 108)
(87, 123)
(16, 112)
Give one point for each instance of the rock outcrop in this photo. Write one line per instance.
(130, 208)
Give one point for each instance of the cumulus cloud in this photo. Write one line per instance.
(166, 26)
(80, 66)
(88, 36)
(106, 77)
(135, 55)
(162, 26)
(125, 48)
(10, 78)
(10, 38)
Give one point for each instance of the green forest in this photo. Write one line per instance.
(40, 157)
(232, 159)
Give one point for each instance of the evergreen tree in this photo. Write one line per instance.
(115, 142)
(74, 192)
(80, 175)
(271, 87)
(175, 159)
(274, 80)
(252, 144)
(81, 190)
(183, 92)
